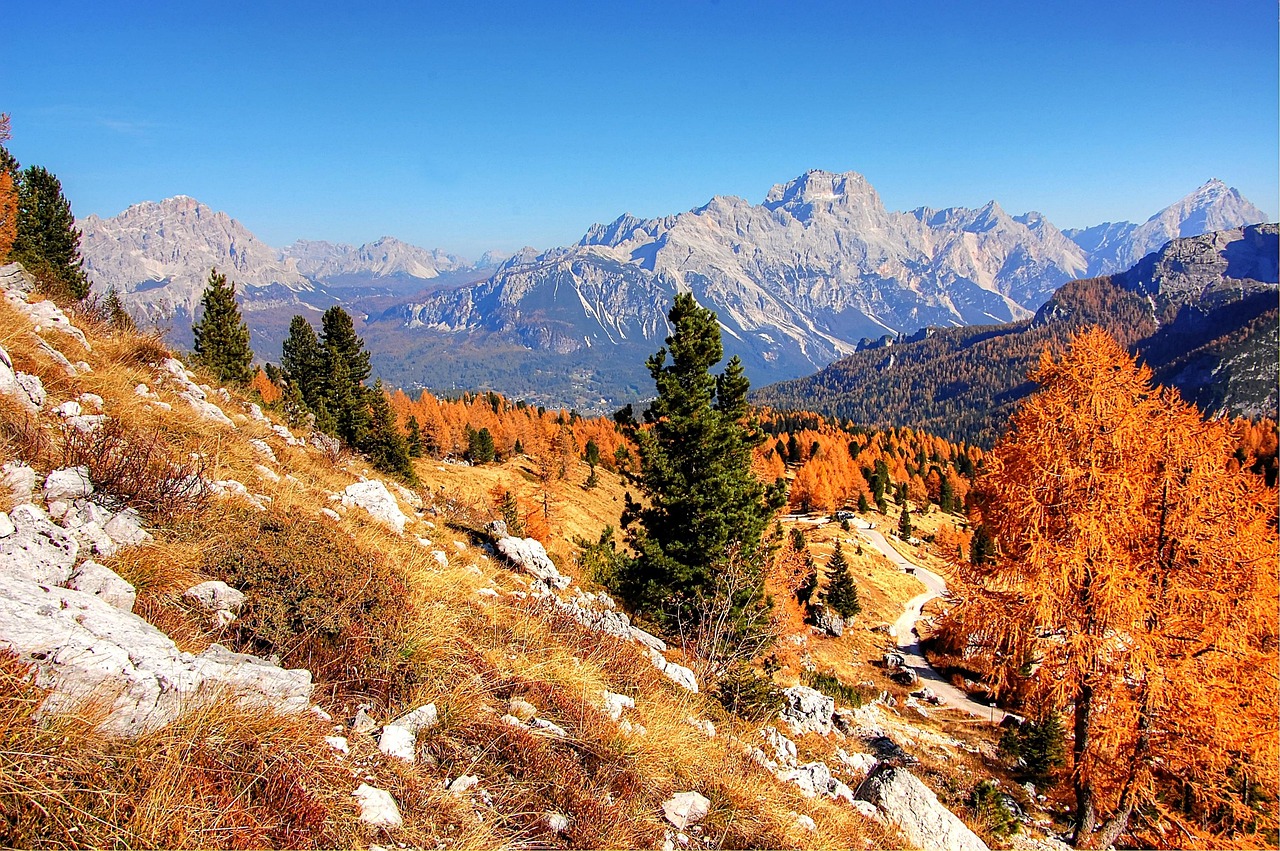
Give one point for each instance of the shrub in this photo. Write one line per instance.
(746, 692)
(1037, 748)
(318, 599)
(137, 467)
(989, 805)
(831, 686)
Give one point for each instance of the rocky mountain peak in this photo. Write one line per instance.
(817, 189)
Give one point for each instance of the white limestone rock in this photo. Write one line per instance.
(377, 807)
(398, 742)
(681, 676)
(783, 749)
(46, 315)
(915, 810)
(807, 710)
(37, 550)
(6, 525)
(338, 743)
(614, 705)
(423, 718)
(685, 809)
(529, 555)
(264, 449)
(464, 784)
(647, 639)
(704, 726)
(125, 528)
(67, 484)
(82, 647)
(215, 596)
(103, 583)
(33, 394)
(813, 778)
(374, 498)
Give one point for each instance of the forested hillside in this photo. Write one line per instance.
(1202, 314)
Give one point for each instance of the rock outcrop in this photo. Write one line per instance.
(915, 810)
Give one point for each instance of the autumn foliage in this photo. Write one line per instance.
(1135, 590)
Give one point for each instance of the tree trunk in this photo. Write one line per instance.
(1086, 817)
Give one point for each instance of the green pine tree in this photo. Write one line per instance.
(704, 504)
(47, 242)
(386, 445)
(303, 361)
(346, 366)
(841, 593)
(863, 505)
(904, 522)
(413, 437)
(221, 335)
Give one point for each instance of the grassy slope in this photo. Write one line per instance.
(223, 777)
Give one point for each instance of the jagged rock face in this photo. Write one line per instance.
(158, 255)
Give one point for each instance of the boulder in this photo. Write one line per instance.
(6, 525)
(813, 778)
(105, 584)
(530, 556)
(905, 676)
(67, 484)
(915, 810)
(859, 763)
(522, 709)
(684, 809)
(377, 807)
(84, 648)
(374, 498)
(37, 550)
(464, 784)
(807, 710)
(33, 395)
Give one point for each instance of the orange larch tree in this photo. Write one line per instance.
(1134, 589)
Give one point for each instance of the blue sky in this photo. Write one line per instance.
(480, 125)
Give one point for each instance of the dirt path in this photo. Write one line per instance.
(904, 634)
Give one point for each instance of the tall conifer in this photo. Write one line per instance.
(221, 335)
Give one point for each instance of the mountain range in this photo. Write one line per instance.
(1201, 312)
(798, 281)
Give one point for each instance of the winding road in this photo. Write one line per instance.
(903, 630)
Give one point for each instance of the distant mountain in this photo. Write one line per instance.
(798, 281)
(387, 257)
(1212, 207)
(158, 256)
(1202, 312)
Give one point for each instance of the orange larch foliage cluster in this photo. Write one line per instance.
(265, 388)
(1134, 588)
(833, 462)
(538, 432)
